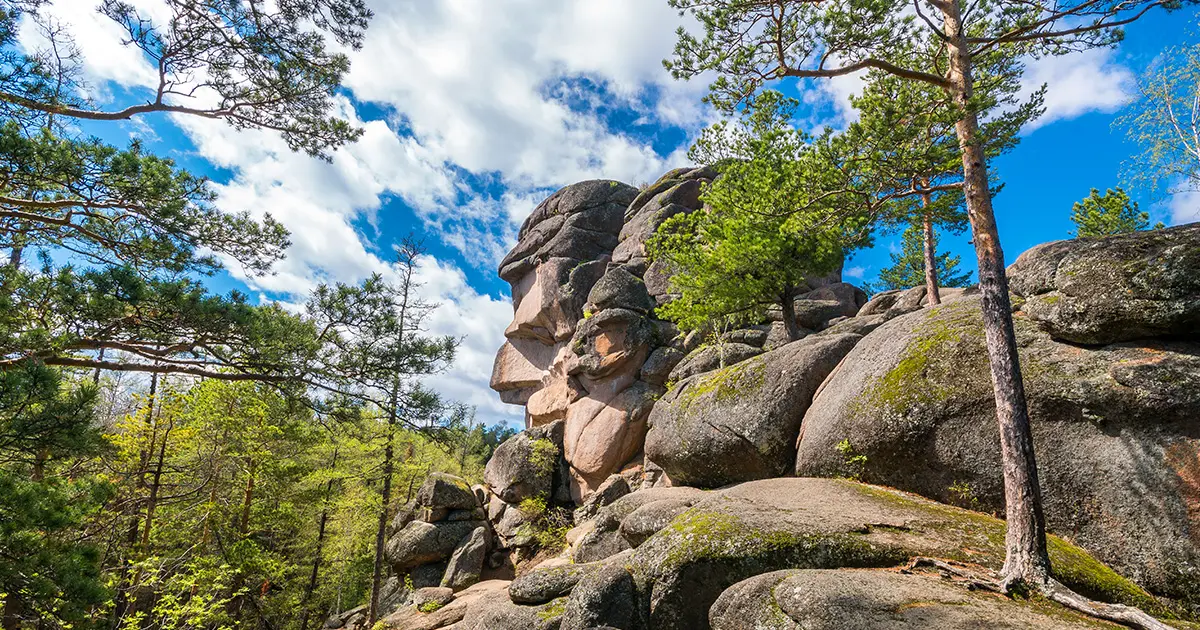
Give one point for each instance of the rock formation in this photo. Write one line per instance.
(670, 449)
(583, 346)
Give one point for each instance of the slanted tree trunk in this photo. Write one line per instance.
(155, 485)
(121, 603)
(1026, 559)
(248, 496)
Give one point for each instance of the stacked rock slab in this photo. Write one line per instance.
(442, 538)
(583, 329)
(585, 347)
(885, 390)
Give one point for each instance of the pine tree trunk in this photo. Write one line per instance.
(1026, 559)
(155, 484)
(121, 602)
(322, 522)
(248, 496)
(788, 305)
(930, 242)
(381, 529)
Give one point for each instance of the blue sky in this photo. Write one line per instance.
(475, 110)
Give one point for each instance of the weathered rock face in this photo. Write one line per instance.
(740, 423)
(764, 526)
(584, 345)
(582, 331)
(1112, 289)
(1115, 429)
(876, 599)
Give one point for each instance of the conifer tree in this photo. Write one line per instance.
(105, 244)
(756, 242)
(1108, 213)
(910, 265)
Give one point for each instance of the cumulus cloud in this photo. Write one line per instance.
(1079, 83)
(1184, 207)
(484, 117)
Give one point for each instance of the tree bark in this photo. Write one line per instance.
(248, 496)
(1026, 559)
(930, 242)
(788, 304)
(381, 530)
(155, 484)
(322, 522)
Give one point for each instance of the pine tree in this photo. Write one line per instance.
(754, 244)
(909, 265)
(1112, 212)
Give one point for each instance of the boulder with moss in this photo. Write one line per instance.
(740, 422)
(804, 523)
(880, 599)
(1116, 288)
(526, 465)
(1114, 428)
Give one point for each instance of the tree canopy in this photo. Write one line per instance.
(1108, 213)
(1165, 123)
(759, 238)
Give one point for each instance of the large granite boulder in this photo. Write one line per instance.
(410, 618)
(606, 534)
(878, 599)
(466, 564)
(798, 523)
(441, 491)
(606, 597)
(1115, 430)
(740, 423)
(714, 357)
(1117, 288)
(526, 464)
(423, 543)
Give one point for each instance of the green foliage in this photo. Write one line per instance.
(963, 496)
(251, 65)
(549, 524)
(105, 244)
(908, 266)
(431, 606)
(47, 575)
(544, 457)
(853, 460)
(760, 236)
(1164, 123)
(1106, 214)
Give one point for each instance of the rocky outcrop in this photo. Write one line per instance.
(875, 599)
(775, 524)
(583, 329)
(672, 445)
(716, 560)
(1113, 289)
(740, 423)
(1115, 431)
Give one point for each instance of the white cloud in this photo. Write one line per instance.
(487, 118)
(1184, 207)
(857, 272)
(1079, 83)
